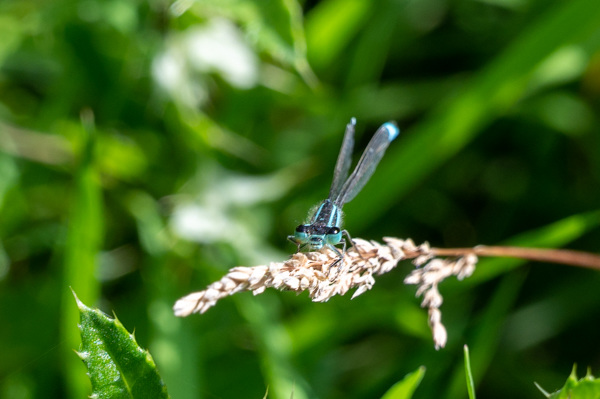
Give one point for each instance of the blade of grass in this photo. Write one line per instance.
(84, 239)
(405, 388)
(469, 374)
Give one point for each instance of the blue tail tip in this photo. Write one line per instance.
(392, 129)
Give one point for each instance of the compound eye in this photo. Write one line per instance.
(303, 228)
(333, 230)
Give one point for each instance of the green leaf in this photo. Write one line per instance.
(586, 388)
(469, 374)
(404, 388)
(117, 366)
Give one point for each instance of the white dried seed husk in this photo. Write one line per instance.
(361, 290)
(257, 274)
(238, 275)
(228, 284)
(211, 294)
(421, 260)
(292, 282)
(440, 336)
(323, 276)
(413, 278)
(304, 283)
(432, 298)
(259, 290)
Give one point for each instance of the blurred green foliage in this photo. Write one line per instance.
(147, 147)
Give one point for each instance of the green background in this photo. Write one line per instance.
(148, 147)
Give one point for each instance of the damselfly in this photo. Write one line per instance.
(324, 228)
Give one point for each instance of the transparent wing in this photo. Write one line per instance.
(342, 166)
(367, 163)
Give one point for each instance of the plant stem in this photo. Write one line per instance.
(564, 256)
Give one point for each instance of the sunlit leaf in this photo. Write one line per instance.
(117, 366)
(405, 388)
(587, 387)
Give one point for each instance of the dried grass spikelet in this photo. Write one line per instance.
(430, 272)
(323, 277)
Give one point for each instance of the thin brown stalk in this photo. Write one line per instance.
(563, 256)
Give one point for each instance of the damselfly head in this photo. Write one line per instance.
(316, 242)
